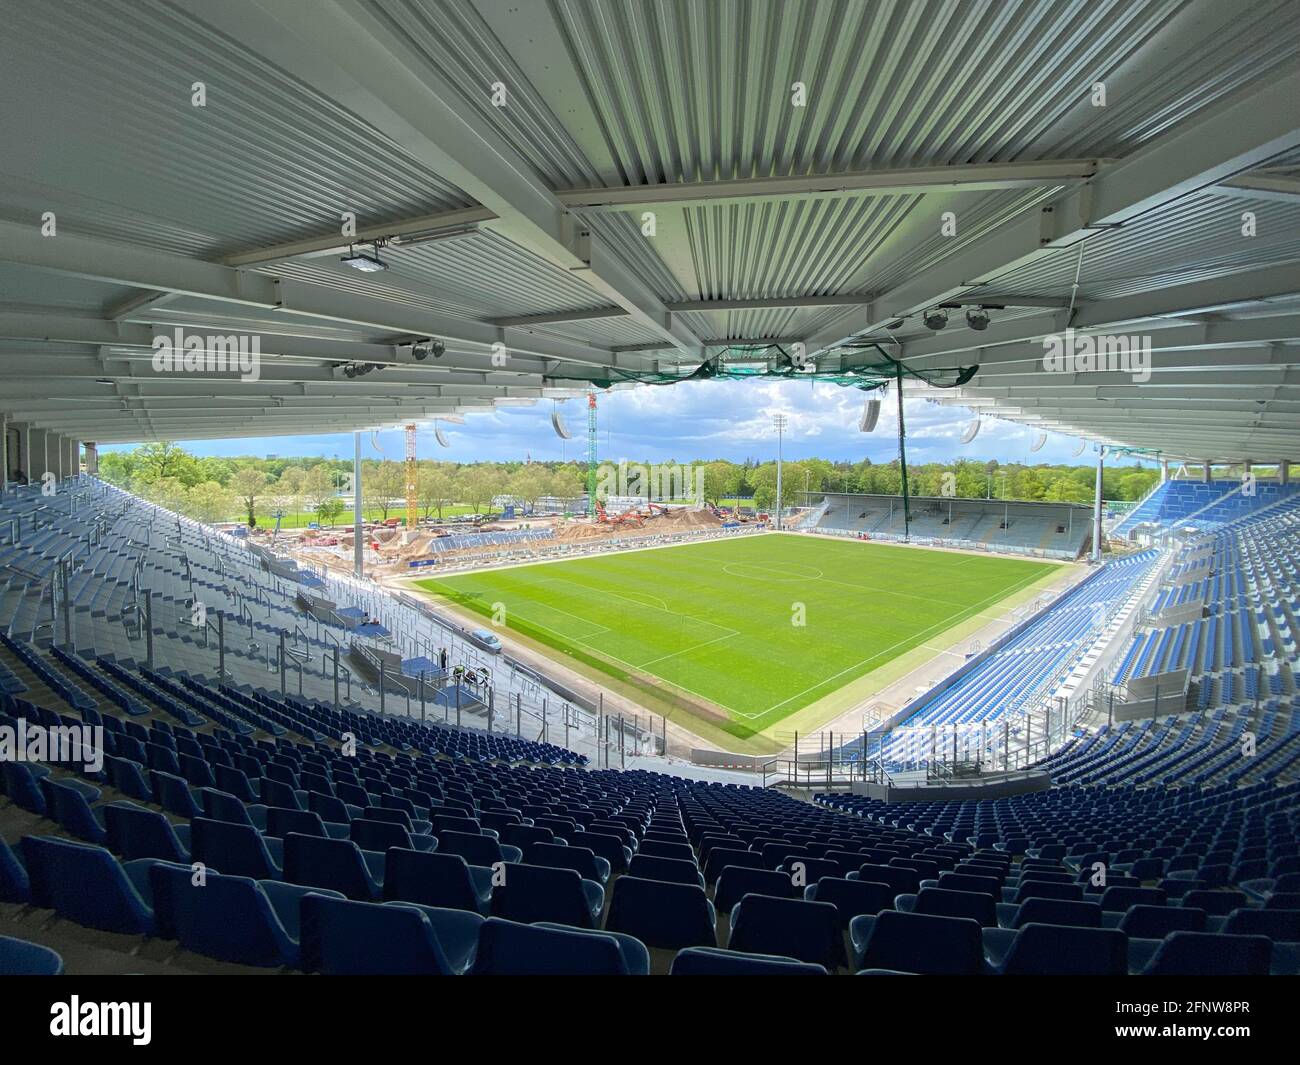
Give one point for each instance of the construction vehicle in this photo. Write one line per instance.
(628, 517)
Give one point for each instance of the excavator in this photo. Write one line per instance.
(628, 517)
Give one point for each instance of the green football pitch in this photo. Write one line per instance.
(742, 631)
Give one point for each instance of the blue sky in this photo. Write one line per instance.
(696, 420)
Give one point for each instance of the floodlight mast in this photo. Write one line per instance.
(779, 422)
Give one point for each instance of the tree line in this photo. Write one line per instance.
(248, 488)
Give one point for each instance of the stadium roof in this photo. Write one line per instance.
(774, 224)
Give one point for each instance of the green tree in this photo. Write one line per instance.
(161, 460)
(116, 467)
(477, 485)
(328, 510)
(721, 481)
(249, 485)
(318, 485)
(286, 494)
(529, 484)
(383, 487)
(167, 492)
(434, 487)
(210, 501)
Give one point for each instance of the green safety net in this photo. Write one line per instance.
(866, 367)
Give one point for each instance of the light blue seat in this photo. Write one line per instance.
(18, 957)
(349, 938)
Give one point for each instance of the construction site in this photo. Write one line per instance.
(407, 547)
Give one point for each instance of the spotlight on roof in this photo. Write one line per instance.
(369, 264)
(437, 349)
(895, 325)
(935, 319)
(420, 349)
(977, 318)
(349, 371)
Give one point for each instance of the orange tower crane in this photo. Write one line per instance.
(411, 519)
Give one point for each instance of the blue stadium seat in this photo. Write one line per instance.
(1156, 922)
(943, 902)
(128, 777)
(712, 961)
(18, 957)
(1119, 899)
(582, 861)
(737, 881)
(721, 857)
(235, 850)
(1210, 954)
(524, 836)
(476, 849)
(230, 918)
(663, 915)
(1053, 911)
(673, 870)
(1281, 926)
(173, 794)
(611, 848)
(1215, 903)
(85, 884)
(900, 879)
(655, 848)
(137, 832)
(532, 893)
(959, 881)
(1064, 950)
(381, 835)
(337, 864)
(851, 898)
(917, 943)
(342, 937)
(222, 806)
(509, 948)
(280, 821)
(789, 928)
(14, 885)
(68, 806)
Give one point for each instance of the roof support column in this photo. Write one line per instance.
(39, 464)
(357, 558)
(92, 458)
(1284, 471)
(1205, 472)
(1096, 508)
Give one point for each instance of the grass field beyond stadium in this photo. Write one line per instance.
(715, 627)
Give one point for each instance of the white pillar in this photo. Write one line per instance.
(1096, 508)
(37, 464)
(1205, 473)
(1164, 470)
(1284, 471)
(358, 564)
